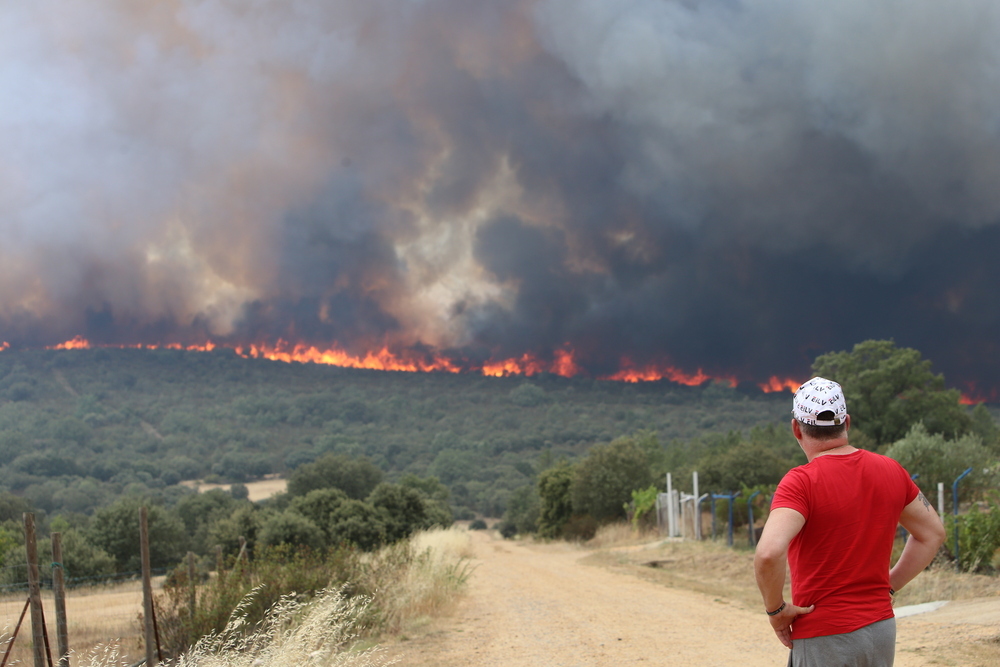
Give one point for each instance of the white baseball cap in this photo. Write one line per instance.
(820, 397)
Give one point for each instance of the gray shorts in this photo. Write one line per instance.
(871, 646)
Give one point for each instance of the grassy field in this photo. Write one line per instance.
(261, 489)
(95, 616)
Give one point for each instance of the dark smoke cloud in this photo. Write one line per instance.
(721, 185)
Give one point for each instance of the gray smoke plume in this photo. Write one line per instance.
(711, 184)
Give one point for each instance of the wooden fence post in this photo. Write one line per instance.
(192, 589)
(59, 592)
(147, 590)
(34, 591)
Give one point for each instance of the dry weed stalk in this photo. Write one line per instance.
(437, 566)
(319, 633)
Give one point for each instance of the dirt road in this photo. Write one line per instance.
(540, 606)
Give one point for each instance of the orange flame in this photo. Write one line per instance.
(563, 363)
(973, 395)
(382, 360)
(76, 343)
(4, 345)
(652, 373)
(777, 384)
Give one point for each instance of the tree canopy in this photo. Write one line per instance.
(889, 388)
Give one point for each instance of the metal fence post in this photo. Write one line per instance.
(954, 492)
(753, 541)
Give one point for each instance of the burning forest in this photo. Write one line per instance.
(640, 190)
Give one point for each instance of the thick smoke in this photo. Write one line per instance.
(711, 184)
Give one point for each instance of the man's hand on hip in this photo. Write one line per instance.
(781, 622)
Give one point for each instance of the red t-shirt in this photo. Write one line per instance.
(840, 559)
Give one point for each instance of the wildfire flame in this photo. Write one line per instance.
(563, 363)
(652, 373)
(778, 384)
(76, 343)
(975, 396)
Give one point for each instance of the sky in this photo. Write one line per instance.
(728, 186)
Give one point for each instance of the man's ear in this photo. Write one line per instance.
(796, 429)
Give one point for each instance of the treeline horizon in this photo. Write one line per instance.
(85, 431)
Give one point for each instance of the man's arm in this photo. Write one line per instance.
(926, 537)
(769, 564)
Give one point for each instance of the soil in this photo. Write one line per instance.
(548, 605)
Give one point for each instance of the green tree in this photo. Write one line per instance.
(81, 559)
(115, 529)
(523, 508)
(403, 510)
(889, 388)
(937, 459)
(604, 480)
(555, 499)
(244, 521)
(358, 523)
(985, 427)
(357, 477)
(435, 496)
(746, 464)
(290, 527)
(12, 508)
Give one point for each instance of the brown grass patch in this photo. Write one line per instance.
(261, 489)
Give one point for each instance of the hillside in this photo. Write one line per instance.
(78, 427)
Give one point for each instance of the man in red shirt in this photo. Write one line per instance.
(833, 521)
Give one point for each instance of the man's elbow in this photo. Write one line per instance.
(939, 535)
(767, 556)
(931, 533)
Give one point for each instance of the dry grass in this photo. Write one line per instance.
(941, 582)
(319, 632)
(259, 490)
(95, 616)
(415, 580)
(621, 534)
(438, 566)
(713, 568)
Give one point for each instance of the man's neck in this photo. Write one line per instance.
(837, 447)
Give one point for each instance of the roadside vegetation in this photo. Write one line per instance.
(899, 407)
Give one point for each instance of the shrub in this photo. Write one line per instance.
(937, 459)
(580, 527)
(276, 572)
(978, 537)
(410, 579)
(643, 505)
(507, 530)
(478, 524)
(604, 480)
(555, 500)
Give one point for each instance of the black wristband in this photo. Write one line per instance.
(892, 592)
(776, 611)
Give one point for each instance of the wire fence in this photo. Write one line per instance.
(99, 612)
(20, 578)
(102, 612)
